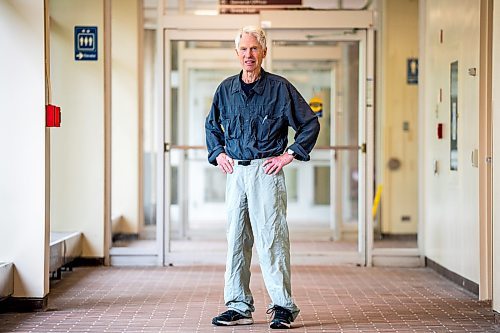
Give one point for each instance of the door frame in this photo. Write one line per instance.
(488, 183)
(192, 27)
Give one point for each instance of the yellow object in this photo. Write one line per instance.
(376, 201)
(316, 104)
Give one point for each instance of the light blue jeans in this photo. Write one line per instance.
(256, 204)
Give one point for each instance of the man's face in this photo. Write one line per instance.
(250, 53)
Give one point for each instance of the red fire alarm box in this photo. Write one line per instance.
(52, 116)
(440, 131)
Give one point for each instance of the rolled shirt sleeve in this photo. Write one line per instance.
(305, 123)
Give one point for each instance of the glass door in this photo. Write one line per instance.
(326, 212)
(195, 211)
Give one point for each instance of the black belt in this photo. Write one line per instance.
(244, 162)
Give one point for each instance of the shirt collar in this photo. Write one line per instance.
(259, 86)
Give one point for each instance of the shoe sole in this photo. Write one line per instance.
(279, 325)
(246, 321)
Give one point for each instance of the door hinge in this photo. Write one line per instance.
(166, 147)
(362, 147)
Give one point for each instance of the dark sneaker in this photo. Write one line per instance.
(231, 318)
(282, 317)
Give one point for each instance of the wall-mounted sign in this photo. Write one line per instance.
(412, 71)
(85, 43)
(255, 6)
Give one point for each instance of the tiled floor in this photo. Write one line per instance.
(184, 299)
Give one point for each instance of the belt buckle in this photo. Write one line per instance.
(244, 162)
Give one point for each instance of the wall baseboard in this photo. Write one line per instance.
(87, 261)
(452, 276)
(399, 237)
(24, 304)
(124, 237)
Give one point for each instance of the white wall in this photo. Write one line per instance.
(126, 116)
(77, 192)
(400, 42)
(24, 225)
(451, 214)
(496, 154)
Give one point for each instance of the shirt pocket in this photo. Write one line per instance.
(232, 125)
(269, 126)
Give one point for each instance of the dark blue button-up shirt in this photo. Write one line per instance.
(256, 126)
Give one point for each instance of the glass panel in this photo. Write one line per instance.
(348, 186)
(197, 219)
(322, 193)
(326, 73)
(291, 176)
(215, 185)
(321, 185)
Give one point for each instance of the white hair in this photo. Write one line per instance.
(254, 31)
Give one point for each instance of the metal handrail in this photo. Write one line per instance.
(339, 147)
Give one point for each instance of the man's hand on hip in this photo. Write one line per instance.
(225, 163)
(273, 165)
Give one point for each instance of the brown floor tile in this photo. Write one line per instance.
(184, 299)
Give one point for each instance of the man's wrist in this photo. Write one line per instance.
(290, 152)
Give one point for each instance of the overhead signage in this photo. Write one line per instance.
(85, 43)
(255, 6)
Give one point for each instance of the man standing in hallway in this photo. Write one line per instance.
(247, 137)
